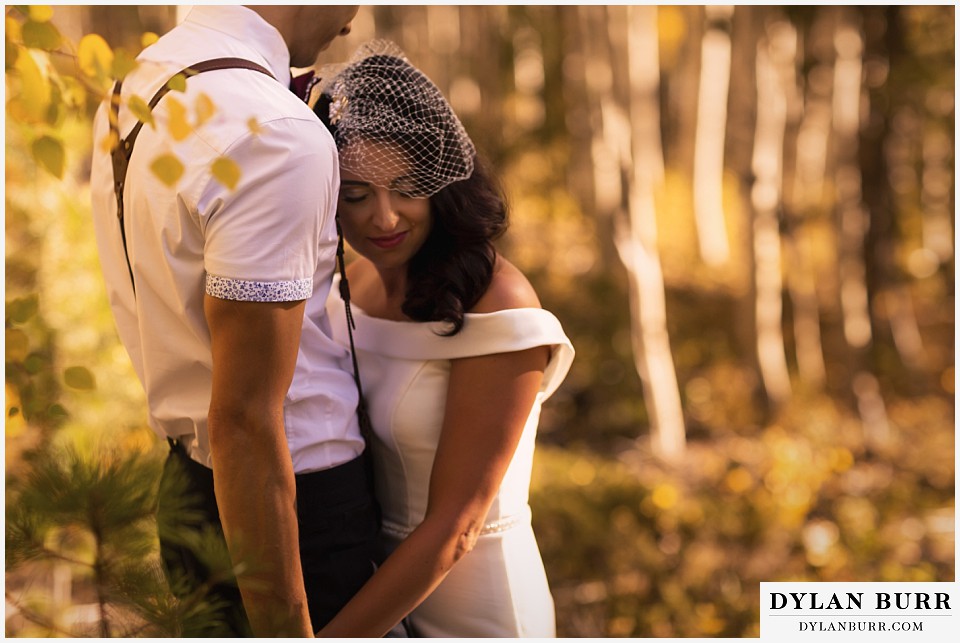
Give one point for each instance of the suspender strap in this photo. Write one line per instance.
(121, 160)
(124, 148)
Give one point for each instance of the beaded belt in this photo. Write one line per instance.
(494, 527)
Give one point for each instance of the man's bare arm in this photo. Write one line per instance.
(254, 354)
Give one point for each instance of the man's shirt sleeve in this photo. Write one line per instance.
(261, 240)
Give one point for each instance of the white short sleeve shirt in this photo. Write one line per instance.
(272, 238)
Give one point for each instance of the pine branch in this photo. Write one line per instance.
(36, 617)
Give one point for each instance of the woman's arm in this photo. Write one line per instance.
(488, 402)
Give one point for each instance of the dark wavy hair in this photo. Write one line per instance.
(454, 267)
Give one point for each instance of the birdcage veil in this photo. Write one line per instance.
(392, 125)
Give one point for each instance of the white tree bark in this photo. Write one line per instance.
(637, 238)
(775, 51)
(853, 217)
(710, 137)
(805, 196)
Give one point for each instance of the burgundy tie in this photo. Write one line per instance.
(302, 84)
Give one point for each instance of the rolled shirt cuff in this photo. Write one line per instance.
(263, 291)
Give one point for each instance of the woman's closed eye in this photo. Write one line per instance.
(354, 191)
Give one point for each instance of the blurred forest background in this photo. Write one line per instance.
(744, 219)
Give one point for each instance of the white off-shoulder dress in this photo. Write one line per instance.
(499, 589)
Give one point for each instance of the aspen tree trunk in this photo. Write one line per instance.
(477, 23)
(805, 198)
(854, 222)
(852, 214)
(801, 283)
(710, 137)
(598, 94)
(637, 238)
(774, 51)
(441, 44)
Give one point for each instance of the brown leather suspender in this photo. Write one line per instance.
(124, 148)
(121, 159)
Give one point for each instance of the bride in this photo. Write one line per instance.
(456, 357)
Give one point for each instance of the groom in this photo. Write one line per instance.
(219, 294)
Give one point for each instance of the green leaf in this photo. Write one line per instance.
(141, 110)
(80, 378)
(167, 168)
(226, 171)
(49, 153)
(22, 309)
(34, 363)
(56, 105)
(41, 35)
(123, 64)
(18, 345)
(178, 83)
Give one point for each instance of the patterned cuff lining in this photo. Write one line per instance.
(240, 290)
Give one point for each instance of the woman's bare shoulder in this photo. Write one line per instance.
(509, 289)
(360, 274)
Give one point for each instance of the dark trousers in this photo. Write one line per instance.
(338, 525)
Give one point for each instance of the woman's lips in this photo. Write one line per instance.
(388, 241)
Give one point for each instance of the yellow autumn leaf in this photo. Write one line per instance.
(40, 12)
(226, 171)
(94, 56)
(123, 64)
(205, 109)
(148, 38)
(49, 153)
(115, 102)
(177, 123)
(254, 125)
(17, 345)
(13, 30)
(167, 168)
(178, 83)
(141, 110)
(74, 93)
(109, 142)
(11, 46)
(34, 98)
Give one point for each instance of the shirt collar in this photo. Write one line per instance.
(249, 28)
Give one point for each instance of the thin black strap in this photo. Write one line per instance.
(363, 416)
(366, 427)
(124, 148)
